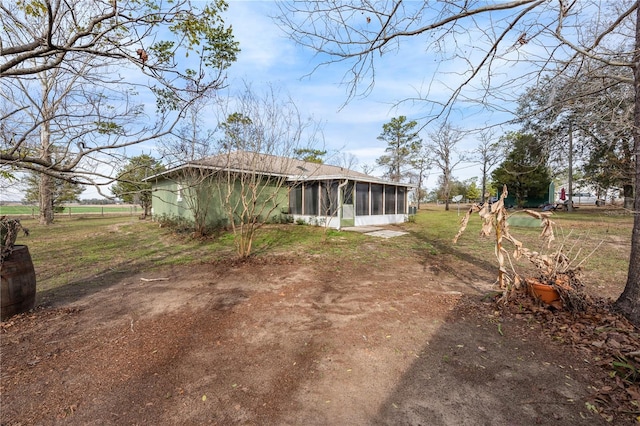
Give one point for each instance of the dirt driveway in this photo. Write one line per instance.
(288, 340)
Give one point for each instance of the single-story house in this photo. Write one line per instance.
(587, 194)
(318, 194)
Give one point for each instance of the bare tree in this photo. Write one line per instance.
(484, 38)
(192, 142)
(346, 160)
(111, 53)
(57, 120)
(445, 155)
(421, 164)
(488, 153)
(256, 160)
(368, 169)
(629, 300)
(597, 113)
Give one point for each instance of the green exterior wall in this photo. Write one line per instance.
(272, 200)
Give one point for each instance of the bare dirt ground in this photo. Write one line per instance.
(288, 340)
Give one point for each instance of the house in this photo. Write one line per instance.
(587, 194)
(270, 186)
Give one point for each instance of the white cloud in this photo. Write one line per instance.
(262, 44)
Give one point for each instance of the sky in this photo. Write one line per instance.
(351, 127)
(269, 57)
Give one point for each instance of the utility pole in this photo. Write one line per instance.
(570, 204)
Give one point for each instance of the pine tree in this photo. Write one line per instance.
(525, 170)
(403, 144)
(130, 186)
(61, 191)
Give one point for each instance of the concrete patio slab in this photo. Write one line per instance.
(362, 229)
(375, 231)
(385, 233)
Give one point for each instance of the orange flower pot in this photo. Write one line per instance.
(544, 292)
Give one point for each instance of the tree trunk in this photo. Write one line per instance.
(45, 189)
(146, 209)
(46, 184)
(483, 196)
(447, 188)
(627, 193)
(629, 300)
(419, 191)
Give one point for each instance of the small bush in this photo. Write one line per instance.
(281, 219)
(181, 225)
(176, 223)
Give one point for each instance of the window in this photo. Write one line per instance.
(311, 199)
(179, 193)
(362, 199)
(389, 199)
(329, 198)
(376, 198)
(401, 200)
(348, 193)
(295, 200)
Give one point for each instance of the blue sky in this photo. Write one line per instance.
(268, 56)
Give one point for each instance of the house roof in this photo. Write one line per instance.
(291, 168)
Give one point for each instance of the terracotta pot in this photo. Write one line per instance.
(544, 292)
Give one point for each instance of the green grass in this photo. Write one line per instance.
(83, 251)
(598, 237)
(76, 250)
(20, 210)
(79, 250)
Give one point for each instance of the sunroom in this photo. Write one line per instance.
(342, 202)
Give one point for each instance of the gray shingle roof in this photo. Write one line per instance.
(291, 168)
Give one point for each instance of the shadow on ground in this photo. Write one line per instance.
(490, 371)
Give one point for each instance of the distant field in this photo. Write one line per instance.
(122, 209)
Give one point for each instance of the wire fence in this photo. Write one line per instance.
(73, 210)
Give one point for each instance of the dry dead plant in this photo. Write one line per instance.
(555, 268)
(9, 229)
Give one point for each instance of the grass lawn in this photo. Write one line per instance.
(75, 249)
(597, 239)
